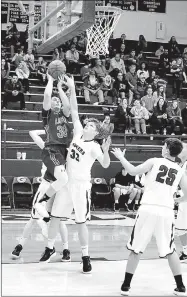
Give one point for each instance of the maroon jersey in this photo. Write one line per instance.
(57, 128)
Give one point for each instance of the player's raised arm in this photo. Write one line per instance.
(35, 135)
(74, 106)
(104, 158)
(63, 97)
(48, 93)
(131, 169)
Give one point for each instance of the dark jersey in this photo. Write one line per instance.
(126, 180)
(57, 128)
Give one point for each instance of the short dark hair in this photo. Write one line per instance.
(175, 146)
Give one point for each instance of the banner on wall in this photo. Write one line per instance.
(4, 12)
(123, 4)
(152, 5)
(16, 15)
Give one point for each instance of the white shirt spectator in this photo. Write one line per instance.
(118, 63)
(72, 55)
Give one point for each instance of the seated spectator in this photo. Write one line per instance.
(22, 72)
(107, 63)
(123, 50)
(61, 54)
(173, 48)
(148, 101)
(159, 51)
(179, 76)
(164, 64)
(141, 86)
(140, 58)
(174, 117)
(151, 77)
(107, 125)
(159, 119)
(131, 78)
(92, 87)
(74, 41)
(5, 70)
(99, 69)
(82, 42)
(143, 68)
(124, 185)
(56, 54)
(107, 87)
(72, 59)
(85, 70)
(13, 92)
(155, 83)
(160, 92)
(117, 63)
(29, 59)
(184, 115)
(119, 41)
(123, 117)
(142, 44)
(41, 68)
(132, 59)
(139, 116)
(119, 85)
(18, 57)
(185, 62)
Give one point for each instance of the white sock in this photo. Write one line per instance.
(51, 243)
(84, 250)
(129, 201)
(136, 202)
(65, 246)
(184, 248)
(22, 241)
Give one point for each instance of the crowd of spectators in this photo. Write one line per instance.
(122, 79)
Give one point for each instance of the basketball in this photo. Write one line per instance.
(56, 68)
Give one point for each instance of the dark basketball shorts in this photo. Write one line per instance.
(53, 156)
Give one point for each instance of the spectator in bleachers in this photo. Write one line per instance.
(148, 101)
(140, 58)
(85, 70)
(18, 57)
(13, 92)
(124, 185)
(132, 59)
(123, 117)
(24, 40)
(120, 84)
(131, 78)
(160, 92)
(142, 44)
(117, 63)
(141, 86)
(5, 70)
(74, 41)
(99, 69)
(107, 87)
(123, 50)
(120, 41)
(143, 68)
(61, 54)
(164, 64)
(175, 118)
(155, 83)
(106, 124)
(12, 37)
(159, 51)
(22, 72)
(184, 115)
(56, 55)
(185, 62)
(82, 42)
(106, 62)
(41, 68)
(173, 48)
(92, 87)
(3, 55)
(72, 59)
(179, 76)
(29, 59)
(151, 77)
(139, 116)
(159, 119)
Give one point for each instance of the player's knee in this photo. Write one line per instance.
(116, 192)
(61, 174)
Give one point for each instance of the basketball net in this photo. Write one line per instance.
(98, 34)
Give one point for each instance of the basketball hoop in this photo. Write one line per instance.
(98, 34)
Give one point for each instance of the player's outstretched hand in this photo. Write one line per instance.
(49, 77)
(106, 144)
(60, 80)
(117, 153)
(69, 81)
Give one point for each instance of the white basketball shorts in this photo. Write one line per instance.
(75, 195)
(153, 220)
(181, 221)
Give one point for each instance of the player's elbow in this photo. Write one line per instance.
(106, 164)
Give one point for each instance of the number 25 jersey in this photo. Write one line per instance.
(161, 183)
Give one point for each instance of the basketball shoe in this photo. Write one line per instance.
(66, 256)
(47, 255)
(125, 290)
(87, 267)
(16, 252)
(183, 257)
(180, 291)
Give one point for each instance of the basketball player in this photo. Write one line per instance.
(35, 135)
(82, 153)
(155, 215)
(55, 115)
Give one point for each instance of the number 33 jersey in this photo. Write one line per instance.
(81, 156)
(161, 183)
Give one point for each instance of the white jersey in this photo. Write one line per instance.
(162, 182)
(81, 156)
